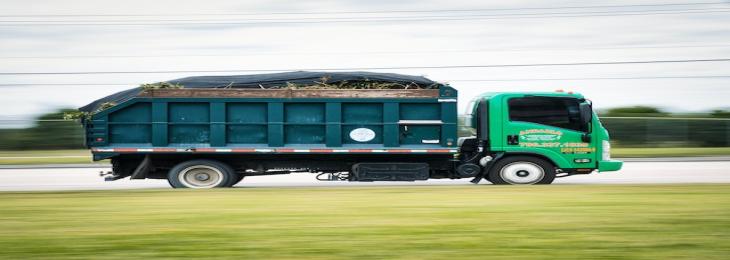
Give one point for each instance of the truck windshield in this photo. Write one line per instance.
(553, 111)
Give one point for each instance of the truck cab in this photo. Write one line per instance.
(529, 135)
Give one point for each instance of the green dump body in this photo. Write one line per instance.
(278, 121)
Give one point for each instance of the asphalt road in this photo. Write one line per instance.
(633, 173)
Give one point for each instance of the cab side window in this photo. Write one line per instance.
(552, 111)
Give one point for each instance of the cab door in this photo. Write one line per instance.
(550, 126)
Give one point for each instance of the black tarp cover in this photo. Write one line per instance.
(272, 80)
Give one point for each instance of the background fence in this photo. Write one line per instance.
(668, 131)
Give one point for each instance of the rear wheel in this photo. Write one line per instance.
(200, 174)
(522, 170)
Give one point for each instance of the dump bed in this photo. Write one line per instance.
(278, 121)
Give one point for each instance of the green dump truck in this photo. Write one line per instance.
(214, 131)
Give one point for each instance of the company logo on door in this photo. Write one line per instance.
(362, 135)
(540, 135)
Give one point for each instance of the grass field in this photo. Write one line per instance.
(45, 157)
(83, 156)
(464, 222)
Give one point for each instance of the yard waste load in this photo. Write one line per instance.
(291, 80)
(212, 131)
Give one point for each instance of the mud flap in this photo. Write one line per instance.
(487, 168)
(142, 169)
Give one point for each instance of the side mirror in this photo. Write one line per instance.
(586, 118)
(586, 113)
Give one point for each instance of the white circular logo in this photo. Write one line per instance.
(362, 135)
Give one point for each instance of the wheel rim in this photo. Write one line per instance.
(522, 173)
(200, 176)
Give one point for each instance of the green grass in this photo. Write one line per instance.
(462, 222)
(45, 157)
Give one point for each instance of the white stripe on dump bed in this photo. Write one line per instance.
(254, 150)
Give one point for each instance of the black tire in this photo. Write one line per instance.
(522, 170)
(201, 174)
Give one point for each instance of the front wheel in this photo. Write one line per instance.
(200, 174)
(522, 170)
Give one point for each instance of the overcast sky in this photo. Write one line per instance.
(525, 33)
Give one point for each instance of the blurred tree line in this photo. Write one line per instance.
(643, 126)
(48, 132)
(638, 126)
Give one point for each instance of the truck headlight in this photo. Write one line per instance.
(606, 148)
